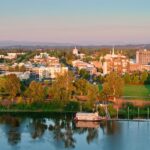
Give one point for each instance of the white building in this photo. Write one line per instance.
(11, 56)
(83, 65)
(45, 59)
(77, 53)
(2, 56)
(42, 55)
(51, 72)
(20, 75)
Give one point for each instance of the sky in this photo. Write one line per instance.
(76, 21)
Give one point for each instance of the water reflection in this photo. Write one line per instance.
(59, 132)
(37, 128)
(11, 129)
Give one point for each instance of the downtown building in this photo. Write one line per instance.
(45, 59)
(142, 61)
(51, 72)
(115, 62)
(143, 57)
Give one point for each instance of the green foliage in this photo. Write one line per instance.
(84, 74)
(143, 77)
(62, 88)
(12, 85)
(72, 106)
(81, 86)
(87, 107)
(127, 78)
(92, 93)
(112, 111)
(137, 77)
(101, 111)
(113, 86)
(36, 92)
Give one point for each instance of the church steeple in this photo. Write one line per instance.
(113, 51)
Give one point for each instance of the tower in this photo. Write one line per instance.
(113, 51)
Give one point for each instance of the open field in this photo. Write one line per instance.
(137, 92)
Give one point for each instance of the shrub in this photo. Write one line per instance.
(72, 106)
(101, 111)
(112, 111)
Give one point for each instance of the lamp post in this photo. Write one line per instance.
(128, 113)
(138, 112)
(147, 113)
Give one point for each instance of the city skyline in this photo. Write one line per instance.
(80, 22)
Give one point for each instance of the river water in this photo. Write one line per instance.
(60, 132)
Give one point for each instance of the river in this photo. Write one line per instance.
(60, 132)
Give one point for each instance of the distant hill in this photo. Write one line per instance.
(34, 45)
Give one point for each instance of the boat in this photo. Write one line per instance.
(90, 124)
(88, 117)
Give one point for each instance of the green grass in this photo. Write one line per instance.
(141, 92)
(137, 92)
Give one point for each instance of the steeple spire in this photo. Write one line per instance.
(113, 51)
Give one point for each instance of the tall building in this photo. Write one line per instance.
(143, 57)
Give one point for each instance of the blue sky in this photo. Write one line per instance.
(76, 21)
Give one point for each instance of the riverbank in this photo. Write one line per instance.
(123, 114)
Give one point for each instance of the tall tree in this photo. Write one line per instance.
(113, 85)
(62, 88)
(92, 93)
(127, 78)
(36, 92)
(144, 77)
(12, 85)
(81, 86)
(2, 84)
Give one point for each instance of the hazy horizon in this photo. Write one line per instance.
(78, 22)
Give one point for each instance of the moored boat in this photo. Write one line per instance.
(88, 117)
(90, 124)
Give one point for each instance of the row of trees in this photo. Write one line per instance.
(137, 78)
(63, 90)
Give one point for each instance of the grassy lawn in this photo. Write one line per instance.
(141, 92)
(137, 92)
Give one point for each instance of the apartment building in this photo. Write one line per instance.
(51, 72)
(143, 57)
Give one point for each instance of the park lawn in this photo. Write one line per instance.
(141, 92)
(135, 92)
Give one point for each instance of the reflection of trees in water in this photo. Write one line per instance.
(111, 127)
(9, 120)
(14, 137)
(63, 132)
(68, 136)
(61, 127)
(37, 128)
(92, 134)
(12, 130)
